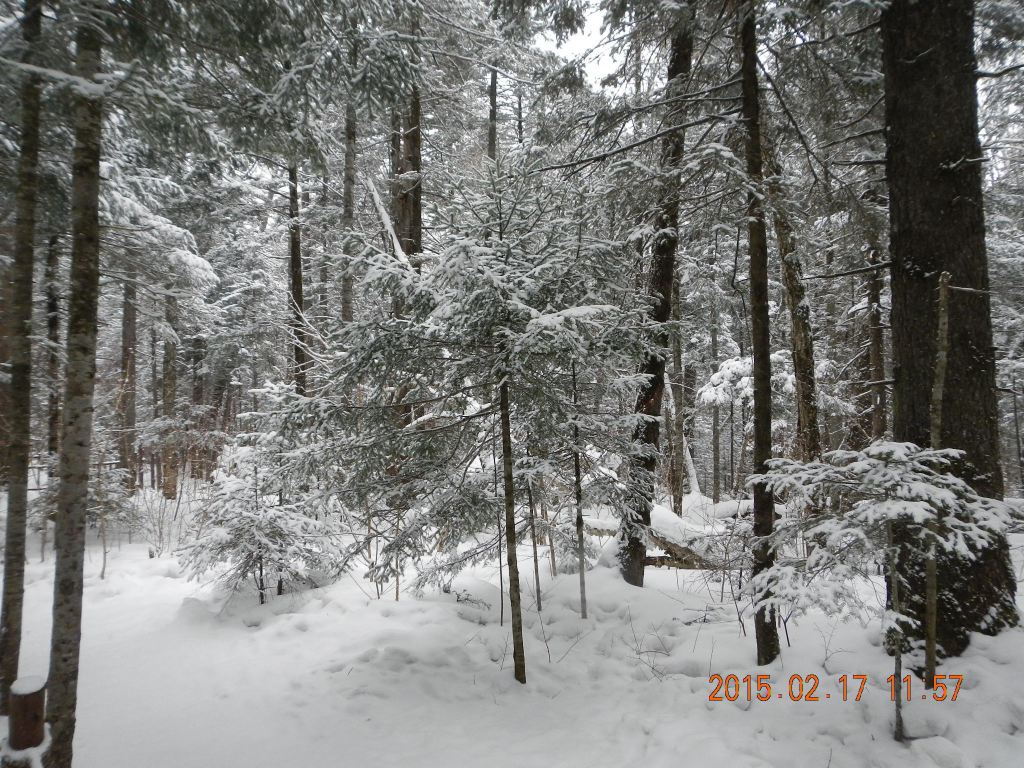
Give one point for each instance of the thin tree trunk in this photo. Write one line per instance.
(52, 351)
(936, 214)
(53, 380)
(76, 428)
(1016, 432)
(637, 520)
(155, 388)
(931, 566)
(677, 475)
(518, 652)
(766, 633)
(716, 430)
(299, 341)
(581, 553)
(20, 320)
(169, 478)
(126, 399)
(876, 354)
(197, 464)
(412, 241)
(551, 539)
(801, 337)
(533, 542)
(348, 197)
(492, 115)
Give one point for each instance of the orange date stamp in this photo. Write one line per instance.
(810, 688)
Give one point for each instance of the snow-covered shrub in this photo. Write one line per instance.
(886, 485)
(247, 527)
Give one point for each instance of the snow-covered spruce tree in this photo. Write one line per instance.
(403, 431)
(858, 497)
(886, 488)
(246, 528)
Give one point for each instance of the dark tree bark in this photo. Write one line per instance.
(129, 380)
(937, 224)
(299, 340)
(492, 115)
(514, 597)
(348, 196)
(412, 182)
(199, 418)
(169, 396)
(52, 349)
(716, 429)
(155, 388)
(80, 380)
(508, 484)
(801, 337)
(20, 349)
(678, 447)
(766, 633)
(581, 552)
(635, 523)
(869, 423)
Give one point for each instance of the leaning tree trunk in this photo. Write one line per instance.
(808, 429)
(937, 225)
(76, 427)
(766, 633)
(20, 324)
(663, 254)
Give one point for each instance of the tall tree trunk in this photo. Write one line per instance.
(20, 347)
(412, 236)
(169, 396)
(876, 352)
(299, 342)
(637, 520)
(677, 460)
(869, 423)
(801, 338)
(492, 115)
(937, 224)
(716, 429)
(581, 552)
(126, 400)
(508, 485)
(514, 598)
(155, 388)
(52, 349)
(198, 418)
(348, 197)
(80, 379)
(765, 631)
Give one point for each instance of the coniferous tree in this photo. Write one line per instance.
(937, 225)
(20, 349)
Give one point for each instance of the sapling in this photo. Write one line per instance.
(886, 486)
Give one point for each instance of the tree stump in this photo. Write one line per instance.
(27, 706)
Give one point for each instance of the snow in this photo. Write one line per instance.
(179, 673)
(24, 686)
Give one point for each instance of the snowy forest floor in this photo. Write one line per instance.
(174, 676)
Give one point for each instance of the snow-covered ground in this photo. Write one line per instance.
(171, 676)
